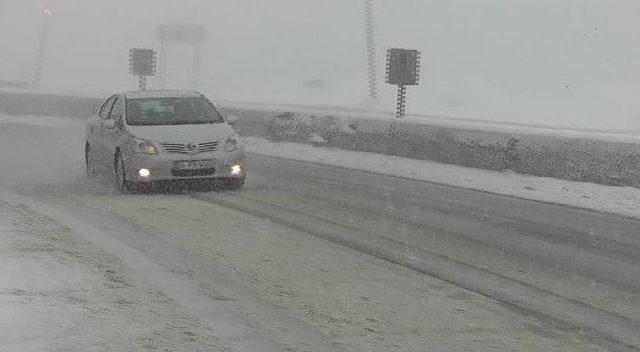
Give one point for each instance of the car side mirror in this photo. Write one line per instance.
(119, 123)
(231, 120)
(109, 124)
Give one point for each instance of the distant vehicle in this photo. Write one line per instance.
(147, 136)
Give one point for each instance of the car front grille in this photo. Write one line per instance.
(181, 148)
(193, 173)
(208, 147)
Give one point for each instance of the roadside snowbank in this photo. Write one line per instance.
(618, 200)
(575, 159)
(604, 157)
(440, 120)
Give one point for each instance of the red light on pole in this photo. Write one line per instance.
(47, 13)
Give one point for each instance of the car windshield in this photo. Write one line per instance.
(171, 111)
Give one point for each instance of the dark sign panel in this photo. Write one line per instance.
(142, 62)
(403, 67)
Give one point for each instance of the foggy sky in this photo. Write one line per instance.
(542, 60)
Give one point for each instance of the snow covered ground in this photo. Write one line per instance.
(66, 288)
(618, 200)
(72, 240)
(59, 293)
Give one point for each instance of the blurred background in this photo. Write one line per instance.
(569, 63)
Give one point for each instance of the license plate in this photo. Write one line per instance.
(195, 165)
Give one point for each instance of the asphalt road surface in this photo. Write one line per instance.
(306, 258)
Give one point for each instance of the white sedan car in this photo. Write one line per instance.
(148, 136)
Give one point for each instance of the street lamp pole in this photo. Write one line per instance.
(0, 26)
(47, 13)
(369, 18)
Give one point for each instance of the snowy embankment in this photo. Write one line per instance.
(611, 199)
(618, 200)
(610, 135)
(604, 158)
(609, 158)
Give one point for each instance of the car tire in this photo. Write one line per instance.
(234, 184)
(89, 162)
(122, 185)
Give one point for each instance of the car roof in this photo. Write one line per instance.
(146, 94)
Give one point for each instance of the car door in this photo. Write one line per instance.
(92, 125)
(100, 132)
(114, 134)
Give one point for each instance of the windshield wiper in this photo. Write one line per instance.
(191, 123)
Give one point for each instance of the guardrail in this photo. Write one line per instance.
(576, 159)
(24, 103)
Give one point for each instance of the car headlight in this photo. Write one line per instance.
(231, 144)
(144, 147)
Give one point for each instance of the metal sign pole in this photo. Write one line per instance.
(402, 102)
(163, 63)
(197, 54)
(142, 82)
(194, 35)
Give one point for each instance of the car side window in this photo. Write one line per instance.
(106, 108)
(118, 109)
(103, 108)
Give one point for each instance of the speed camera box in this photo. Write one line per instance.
(142, 62)
(403, 67)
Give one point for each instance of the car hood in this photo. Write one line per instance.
(183, 133)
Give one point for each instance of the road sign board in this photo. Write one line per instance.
(142, 62)
(403, 67)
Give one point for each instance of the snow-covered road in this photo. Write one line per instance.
(308, 257)
(623, 201)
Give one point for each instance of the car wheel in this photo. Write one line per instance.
(234, 184)
(122, 185)
(89, 162)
